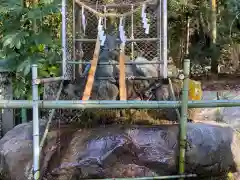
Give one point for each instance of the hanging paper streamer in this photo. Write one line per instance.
(101, 35)
(122, 32)
(83, 21)
(143, 12)
(146, 25)
(147, 28)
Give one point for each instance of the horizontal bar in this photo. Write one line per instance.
(157, 177)
(136, 77)
(115, 104)
(120, 5)
(112, 63)
(127, 40)
(48, 80)
(112, 5)
(130, 78)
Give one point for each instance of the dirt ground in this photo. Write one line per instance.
(227, 83)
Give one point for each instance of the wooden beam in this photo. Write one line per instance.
(92, 71)
(122, 76)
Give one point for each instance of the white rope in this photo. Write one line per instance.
(83, 21)
(99, 14)
(101, 35)
(122, 32)
(146, 25)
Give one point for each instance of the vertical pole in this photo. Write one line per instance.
(188, 36)
(165, 48)
(132, 33)
(79, 34)
(184, 116)
(160, 37)
(122, 75)
(36, 162)
(24, 115)
(64, 39)
(105, 18)
(36, 153)
(74, 37)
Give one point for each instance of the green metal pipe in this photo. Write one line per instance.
(127, 40)
(157, 177)
(184, 116)
(24, 115)
(135, 77)
(15, 104)
(36, 134)
(111, 63)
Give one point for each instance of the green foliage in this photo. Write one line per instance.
(30, 34)
(199, 15)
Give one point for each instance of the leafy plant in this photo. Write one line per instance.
(30, 35)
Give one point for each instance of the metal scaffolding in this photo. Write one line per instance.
(36, 104)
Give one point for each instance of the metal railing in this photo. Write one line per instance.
(184, 104)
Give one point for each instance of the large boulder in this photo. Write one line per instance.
(16, 152)
(122, 151)
(98, 153)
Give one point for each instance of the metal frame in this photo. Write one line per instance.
(162, 36)
(64, 38)
(184, 103)
(36, 104)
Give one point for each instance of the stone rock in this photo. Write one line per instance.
(16, 151)
(105, 90)
(146, 69)
(111, 151)
(122, 151)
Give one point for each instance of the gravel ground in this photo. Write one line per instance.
(221, 85)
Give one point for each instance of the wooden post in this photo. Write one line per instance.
(92, 71)
(122, 78)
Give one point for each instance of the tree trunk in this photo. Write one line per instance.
(214, 59)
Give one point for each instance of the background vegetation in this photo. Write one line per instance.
(31, 34)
